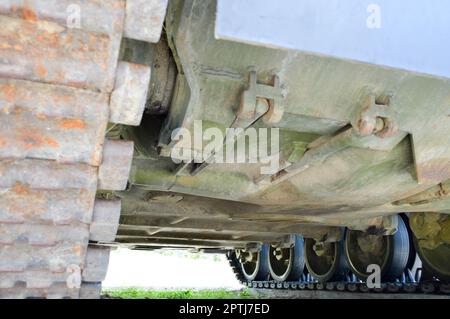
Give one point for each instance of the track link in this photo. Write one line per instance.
(428, 287)
(58, 91)
(349, 286)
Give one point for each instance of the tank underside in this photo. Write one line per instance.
(338, 171)
(335, 169)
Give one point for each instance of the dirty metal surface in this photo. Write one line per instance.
(130, 93)
(72, 57)
(81, 41)
(52, 122)
(144, 19)
(114, 171)
(57, 72)
(105, 17)
(105, 220)
(97, 259)
(359, 141)
(356, 173)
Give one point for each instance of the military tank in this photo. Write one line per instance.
(308, 141)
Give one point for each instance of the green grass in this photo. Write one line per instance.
(136, 293)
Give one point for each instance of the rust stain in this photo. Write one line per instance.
(41, 116)
(29, 142)
(8, 46)
(51, 142)
(41, 70)
(5, 46)
(119, 5)
(28, 14)
(35, 140)
(72, 124)
(20, 189)
(17, 110)
(8, 92)
(63, 99)
(56, 44)
(97, 157)
(77, 249)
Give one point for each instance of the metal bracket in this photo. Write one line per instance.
(380, 226)
(253, 247)
(285, 242)
(257, 101)
(376, 117)
(249, 111)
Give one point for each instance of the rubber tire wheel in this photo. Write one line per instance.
(262, 268)
(338, 271)
(412, 246)
(397, 260)
(296, 266)
(429, 270)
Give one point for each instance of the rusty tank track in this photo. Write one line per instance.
(58, 92)
(402, 286)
